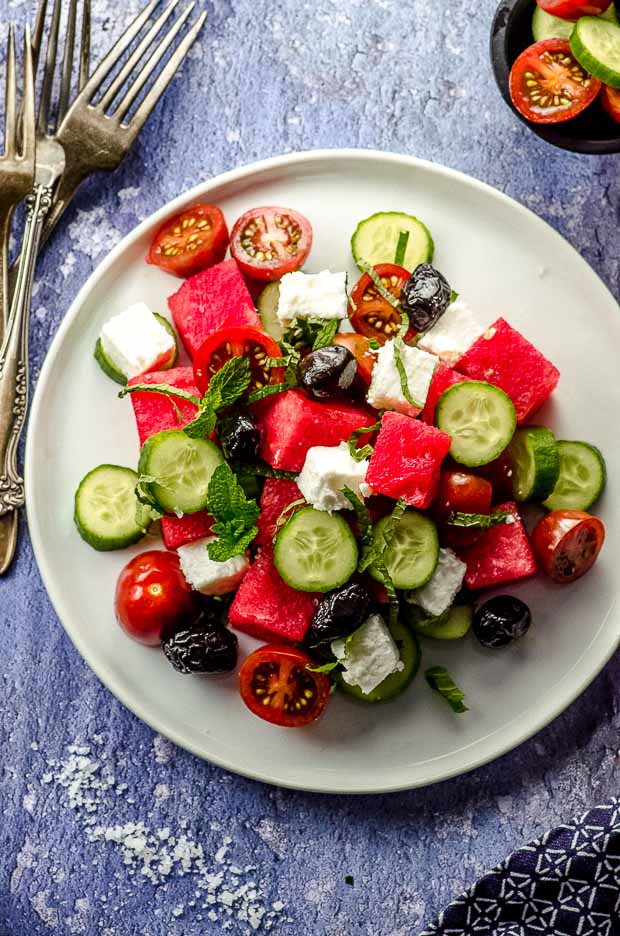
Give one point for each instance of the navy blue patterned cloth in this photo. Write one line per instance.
(565, 884)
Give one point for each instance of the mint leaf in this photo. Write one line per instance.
(311, 333)
(383, 292)
(203, 425)
(373, 344)
(359, 454)
(269, 390)
(324, 668)
(235, 515)
(481, 521)
(165, 390)
(453, 296)
(440, 680)
(365, 524)
(283, 517)
(326, 334)
(228, 384)
(401, 248)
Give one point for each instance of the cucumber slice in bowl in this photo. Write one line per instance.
(412, 555)
(396, 683)
(107, 512)
(267, 305)
(112, 371)
(375, 240)
(182, 468)
(582, 477)
(547, 26)
(535, 463)
(595, 43)
(480, 418)
(451, 625)
(315, 551)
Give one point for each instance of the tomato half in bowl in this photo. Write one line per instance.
(366, 358)
(610, 101)
(276, 684)
(238, 341)
(574, 9)
(190, 241)
(566, 544)
(269, 242)
(370, 313)
(548, 85)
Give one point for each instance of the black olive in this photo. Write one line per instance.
(425, 297)
(240, 437)
(327, 372)
(203, 648)
(501, 620)
(340, 613)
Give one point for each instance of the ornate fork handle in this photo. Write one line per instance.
(14, 354)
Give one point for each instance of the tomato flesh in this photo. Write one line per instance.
(610, 99)
(573, 9)
(463, 493)
(359, 346)
(238, 341)
(369, 313)
(191, 241)
(269, 242)
(152, 597)
(276, 685)
(567, 543)
(548, 85)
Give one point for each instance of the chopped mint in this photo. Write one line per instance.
(401, 248)
(359, 454)
(234, 513)
(482, 521)
(440, 680)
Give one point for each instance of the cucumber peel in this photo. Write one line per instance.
(535, 463)
(595, 43)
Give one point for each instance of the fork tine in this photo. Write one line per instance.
(163, 79)
(67, 63)
(28, 105)
(37, 37)
(10, 120)
(85, 45)
(48, 74)
(110, 60)
(136, 55)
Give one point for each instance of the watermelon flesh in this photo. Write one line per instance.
(216, 297)
(178, 531)
(407, 459)
(443, 378)
(267, 608)
(155, 412)
(503, 357)
(294, 423)
(277, 494)
(503, 554)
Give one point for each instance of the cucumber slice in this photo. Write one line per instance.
(411, 557)
(395, 683)
(582, 477)
(595, 43)
(183, 468)
(451, 625)
(535, 463)
(547, 26)
(315, 551)
(480, 418)
(112, 371)
(267, 306)
(375, 240)
(107, 512)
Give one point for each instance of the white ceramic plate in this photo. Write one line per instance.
(505, 261)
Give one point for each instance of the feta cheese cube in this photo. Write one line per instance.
(135, 341)
(440, 591)
(453, 334)
(312, 295)
(386, 391)
(326, 471)
(369, 656)
(207, 576)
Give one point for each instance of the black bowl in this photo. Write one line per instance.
(593, 131)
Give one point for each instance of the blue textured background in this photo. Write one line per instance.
(271, 77)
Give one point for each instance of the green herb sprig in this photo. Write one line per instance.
(235, 515)
(481, 521)
(440, 681)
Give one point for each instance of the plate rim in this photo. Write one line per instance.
(286, 161)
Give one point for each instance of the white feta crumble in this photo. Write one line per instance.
(326, 471)
(453, 334)
(386, 391)
(440, 591)
(206, 575)
(312, 295)
(369, 656)
(135, 341)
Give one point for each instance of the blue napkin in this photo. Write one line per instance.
(565, 884)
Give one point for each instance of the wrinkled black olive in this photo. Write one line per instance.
(425, 297)
(501, 620)
(327, 372)
(202, 649)
(240, 437)
(340, 613)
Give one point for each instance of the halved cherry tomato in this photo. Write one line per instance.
(152, 597)
(359, 346)
(372, 315)
(276, 685)
(567, 543)
(610, 99)
(238, 341)
(269, 242)
(191, 241)
(463, 493)
(573, 9)
(548, 85)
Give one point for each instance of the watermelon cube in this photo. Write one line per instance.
(178, 531)
(407, 459)
(218, 296)
(155, 412)
(503, 357)
(277, 494)
(502, 554)
(267, 608)
(443, 378)
(294, 423)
